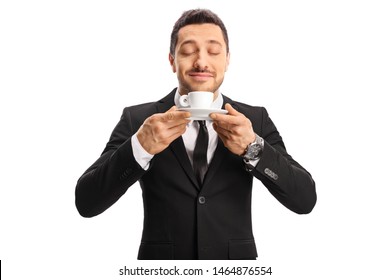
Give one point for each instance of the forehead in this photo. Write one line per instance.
(200, 33)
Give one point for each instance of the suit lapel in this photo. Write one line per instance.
(219, 154)
(180, 152)
(220, 151)
(177, 146)
(227, 100)
(166, 103)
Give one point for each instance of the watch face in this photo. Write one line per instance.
(253, 151)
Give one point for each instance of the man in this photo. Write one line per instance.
(190, 213)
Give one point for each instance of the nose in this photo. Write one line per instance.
(200, 62)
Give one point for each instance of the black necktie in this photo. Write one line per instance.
(200, 152)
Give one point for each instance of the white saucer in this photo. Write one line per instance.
(199, 114)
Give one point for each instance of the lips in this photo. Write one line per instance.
(201, 76)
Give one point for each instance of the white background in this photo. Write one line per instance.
(68, 68)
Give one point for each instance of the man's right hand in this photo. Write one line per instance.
(160, 130)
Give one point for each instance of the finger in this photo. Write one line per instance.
(223, 137)
(229, 126)
(173, 108)
(224, 118)
(182, 123)
(222, 127)
(221, 131)
(167, 126)
(175, 132)
(233, 119)
(168, 115)
(231, 110)
(174, 115)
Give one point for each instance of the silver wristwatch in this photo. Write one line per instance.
(254, 149)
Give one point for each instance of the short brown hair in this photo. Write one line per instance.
(197, 16)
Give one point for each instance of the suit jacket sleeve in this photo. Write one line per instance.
(285, 178)
(112, 174)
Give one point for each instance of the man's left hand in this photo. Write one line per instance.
(234, 129)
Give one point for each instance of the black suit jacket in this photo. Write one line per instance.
(183, 220)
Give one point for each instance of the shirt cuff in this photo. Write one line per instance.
(253, 162)
(141, 156)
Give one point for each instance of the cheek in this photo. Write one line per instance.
(182, 68)
(220, 64)
(222, 69)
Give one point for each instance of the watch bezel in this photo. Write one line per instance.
(254, 149)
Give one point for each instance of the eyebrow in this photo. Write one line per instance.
(193, 42)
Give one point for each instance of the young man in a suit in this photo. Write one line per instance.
(196, 177)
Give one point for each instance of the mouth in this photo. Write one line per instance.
(200, 76)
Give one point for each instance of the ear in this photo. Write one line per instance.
(227, 61)
(172, 62)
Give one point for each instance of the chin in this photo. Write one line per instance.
(192, 86)
(200, 88)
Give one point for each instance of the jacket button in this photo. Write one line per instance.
(202, 200)
(271, 174)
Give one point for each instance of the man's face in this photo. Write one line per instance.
(200, 58)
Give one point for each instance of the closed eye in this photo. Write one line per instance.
(214, 50)
(214, 53)
(187, 51)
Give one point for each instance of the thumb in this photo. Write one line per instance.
(231, 110)
(173, 108)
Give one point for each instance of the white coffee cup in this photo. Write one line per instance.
(197, 99)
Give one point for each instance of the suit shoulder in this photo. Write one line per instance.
(140, 111)
(249, 110)
(150, 106)
(258, 115)
(248, 107)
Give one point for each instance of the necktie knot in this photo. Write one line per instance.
(202, 124)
